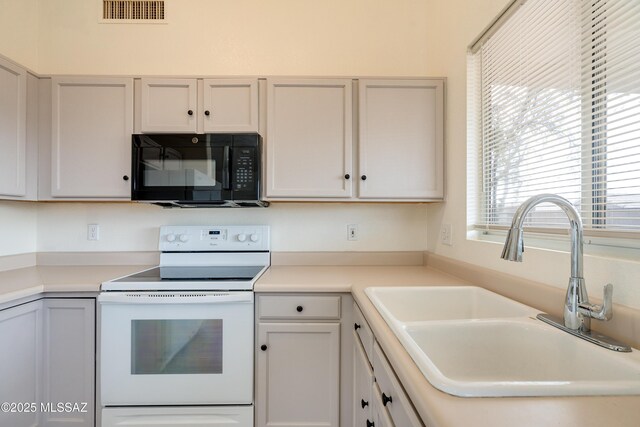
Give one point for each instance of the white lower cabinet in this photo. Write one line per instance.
(69, 361)
(388, 404)
(48, 363)
(21, 365)
(362, 386)
(380, 417)
(391, 398)
(303, 361)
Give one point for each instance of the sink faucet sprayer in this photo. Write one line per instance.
(577, 309)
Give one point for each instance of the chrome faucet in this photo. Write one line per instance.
(577, 309)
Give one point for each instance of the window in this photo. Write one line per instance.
(555, 92)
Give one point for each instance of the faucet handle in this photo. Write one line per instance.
(600, 312)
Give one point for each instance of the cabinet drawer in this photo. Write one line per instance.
(363, 330)
(392, 395)
(299, 307)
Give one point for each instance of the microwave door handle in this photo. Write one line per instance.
(226, 175)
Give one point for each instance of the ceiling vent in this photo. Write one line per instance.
(133, 10)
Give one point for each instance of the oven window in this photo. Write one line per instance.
(176, 346)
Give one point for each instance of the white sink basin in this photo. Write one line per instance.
(471, 342)
(517, 358)
(422, 303)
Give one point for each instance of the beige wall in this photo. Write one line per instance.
(294, 226)
(457, 25)
(215, 37)
(19, 31)
(18, 227)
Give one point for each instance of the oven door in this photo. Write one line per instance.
(176, 348)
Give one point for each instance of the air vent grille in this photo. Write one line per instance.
(133, 10)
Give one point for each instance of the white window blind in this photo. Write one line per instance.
(559, 112)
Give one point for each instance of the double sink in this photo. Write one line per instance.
(471, 342)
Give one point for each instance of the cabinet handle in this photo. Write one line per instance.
(370, 423)
(363, 177)
(206, 113)
(386, 399)
(356, 326)
(299, 309)
(190, 112)
(364, 403)
(263, 347)
(126, 178)
(347, 176)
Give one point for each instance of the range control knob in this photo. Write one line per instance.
(242, 237)
(254, 237)
(183, 238)
(171, 237)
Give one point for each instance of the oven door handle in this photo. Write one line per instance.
(144, 298)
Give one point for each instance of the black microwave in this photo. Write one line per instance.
(197, 170)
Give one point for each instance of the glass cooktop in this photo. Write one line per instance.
(194, 273)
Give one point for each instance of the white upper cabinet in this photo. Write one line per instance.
(13, 116)
(309, 145)
(230, 105)
(169, 105)
(401, 139)
(198, 105)
(92, 123)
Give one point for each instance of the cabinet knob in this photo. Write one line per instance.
(347, 176)
(190, 112)
(363, 177)
(263, 347)
(299, 309)
(207, 113)
(356, 326)
(386, 399)
(370, 423)
(126, 178)
(364, 403)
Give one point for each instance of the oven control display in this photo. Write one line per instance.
(214, 235)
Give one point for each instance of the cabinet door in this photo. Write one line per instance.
(91, 137)
(69, 360)
(309, 138)
(169, 105)
(391, 397)
(21, 363)
(230, 105)
(13, 116)
(401, 139)
(298, 375)
(380, 417)
(363, 382)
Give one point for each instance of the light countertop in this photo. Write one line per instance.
(436, 408)
(31, 281)
(439, 409)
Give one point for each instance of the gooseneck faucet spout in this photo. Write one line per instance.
(577, 310)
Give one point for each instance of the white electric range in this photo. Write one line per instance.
(177, 340)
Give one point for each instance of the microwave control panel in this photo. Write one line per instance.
(244, 168)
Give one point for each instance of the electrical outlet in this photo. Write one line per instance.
(352, 232)
(93, 232)
(446, 234)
